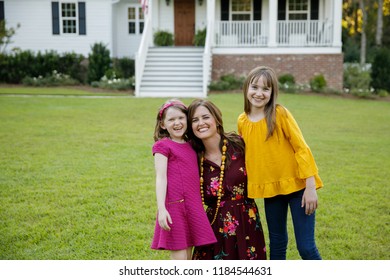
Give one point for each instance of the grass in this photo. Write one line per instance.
(77, 175)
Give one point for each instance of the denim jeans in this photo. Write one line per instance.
(276, 215)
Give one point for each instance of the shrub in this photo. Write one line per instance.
(99, 62)
(318, 83)
(55, 79)
(287, 83)
(200, 37)
(381, 70)
(227, 82)
(356, 77)
(123, 67)
(114, 83)
(163, 38)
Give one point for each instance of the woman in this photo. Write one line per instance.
(223, 184)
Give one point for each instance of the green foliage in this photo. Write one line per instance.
(318, 83)
(381, 70)
(110, 81)
(123, 67)
(77, 176)
(200, 37)
(287, 83)
(16, 66)
(6, 35)
(227, 82)
(55, 79)
(163, 38)
(356, 78)
(99, 62)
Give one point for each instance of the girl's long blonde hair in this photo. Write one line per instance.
(271, 81)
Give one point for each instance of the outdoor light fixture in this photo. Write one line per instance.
(200, 2)
(167, 1)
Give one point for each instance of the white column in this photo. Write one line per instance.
(211, 19)
(272, 22)
(337, 17)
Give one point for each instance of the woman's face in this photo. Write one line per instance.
(203, 123)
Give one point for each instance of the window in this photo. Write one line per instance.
(241, 10)
(136, 19)
(69, 18)
(298, 10)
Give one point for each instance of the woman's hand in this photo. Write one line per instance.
(309, 198)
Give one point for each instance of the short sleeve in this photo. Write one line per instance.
(160, 147)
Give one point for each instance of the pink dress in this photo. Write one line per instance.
(190, 225)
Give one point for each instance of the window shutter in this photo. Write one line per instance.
(281, 9)
(82, 19)
(224, 9)
(2, 10)
(314, 9)
(257, 9)
(55, 11)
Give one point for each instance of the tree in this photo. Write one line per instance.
(363, 38)
(6, 35)
(379, 24)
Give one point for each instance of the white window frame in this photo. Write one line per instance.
(138, 20)
(250, 12)
(297, 12)
(64, 18)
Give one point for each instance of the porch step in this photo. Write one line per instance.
(173, 72)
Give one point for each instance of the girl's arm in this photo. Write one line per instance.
(310, 199)
(161, 164)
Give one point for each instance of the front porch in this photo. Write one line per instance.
(267, 29)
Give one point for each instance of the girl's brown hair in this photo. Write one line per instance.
(159, 132)
(271, 81)
(233, 138)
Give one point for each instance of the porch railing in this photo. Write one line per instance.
(312, 33)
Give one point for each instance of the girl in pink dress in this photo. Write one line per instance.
(181, 220)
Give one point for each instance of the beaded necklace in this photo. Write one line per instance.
(219, 193)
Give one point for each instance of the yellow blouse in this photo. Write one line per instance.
(281, 164)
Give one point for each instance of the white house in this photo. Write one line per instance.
(299, 37)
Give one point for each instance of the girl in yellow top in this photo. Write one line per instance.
(280, 166)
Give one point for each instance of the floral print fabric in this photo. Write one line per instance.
(237, 227)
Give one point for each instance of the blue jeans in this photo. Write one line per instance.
(276, 214)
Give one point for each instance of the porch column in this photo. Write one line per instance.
(337, 17)
(211, 19)
(272, 22)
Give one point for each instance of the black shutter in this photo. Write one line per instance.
(2, 10)
(314, 9)
(257, 9)
(224, 9)
(281, 9)
(82, 19)
(55, 12)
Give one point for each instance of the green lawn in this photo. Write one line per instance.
(77, 175)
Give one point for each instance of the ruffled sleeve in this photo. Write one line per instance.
(303, 155)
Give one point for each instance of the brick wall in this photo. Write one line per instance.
(302, 66)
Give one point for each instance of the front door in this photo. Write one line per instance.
(184, 22)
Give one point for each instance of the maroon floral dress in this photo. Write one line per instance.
(237, 227)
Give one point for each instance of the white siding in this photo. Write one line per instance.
(36, 34)
(125, 44)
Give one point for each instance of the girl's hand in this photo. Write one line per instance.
(164, 218)
(310, 200)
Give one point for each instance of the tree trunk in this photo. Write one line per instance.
(363, 42)
(379, 24)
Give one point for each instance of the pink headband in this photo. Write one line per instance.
(169, 104)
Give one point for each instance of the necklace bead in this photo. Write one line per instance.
(221, 175)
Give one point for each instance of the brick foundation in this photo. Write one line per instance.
(302, 66)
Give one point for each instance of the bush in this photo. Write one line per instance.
(356, 78)
(287, 83)
(124, 67)
(99, 62)
(200, 37)
(55, 79)
(114, 83)
(318, 83)
(381, 70)
(227, 82)
(163, 38)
